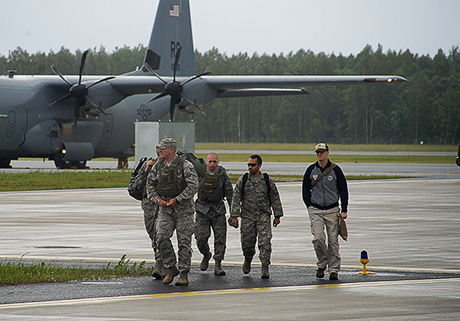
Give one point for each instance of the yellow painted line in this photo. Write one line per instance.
(221, 292)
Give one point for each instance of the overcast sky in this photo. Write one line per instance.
(234, 26)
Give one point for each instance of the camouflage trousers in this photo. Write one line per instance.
(150, 218)
(260, 229)
(203, 225)
(168, 222)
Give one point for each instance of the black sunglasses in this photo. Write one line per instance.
(252, 164)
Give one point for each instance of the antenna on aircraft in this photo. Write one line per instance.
(175, 88)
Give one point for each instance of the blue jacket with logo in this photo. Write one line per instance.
(326, 193)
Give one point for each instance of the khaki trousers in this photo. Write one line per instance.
(327, 253)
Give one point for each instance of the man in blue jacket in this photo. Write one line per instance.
(323, 185)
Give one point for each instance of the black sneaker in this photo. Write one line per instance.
(333, 276)
(320, 273)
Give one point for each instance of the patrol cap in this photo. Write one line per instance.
(167, 143)
(321, 147)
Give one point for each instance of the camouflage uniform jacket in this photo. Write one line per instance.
(219, 207)
(185, 172)
(255, 199)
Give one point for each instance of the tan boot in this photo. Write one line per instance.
(218, 268)
(183, 279)
(172, 272)
(205, 261)
(247, 265)
(264, 274)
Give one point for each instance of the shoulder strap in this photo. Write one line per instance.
(245, 179)
(267, 182)
(324, 173)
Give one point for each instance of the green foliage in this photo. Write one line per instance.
(22, 273)
(42, 180)
(427, 108)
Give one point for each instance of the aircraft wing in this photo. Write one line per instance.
(243, 86)
(132, 85)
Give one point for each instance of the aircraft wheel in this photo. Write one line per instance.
(5, 163)
(60, 163)
(79, 164)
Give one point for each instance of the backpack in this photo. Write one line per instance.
(199, 163)
(267, 182)
(136, 190)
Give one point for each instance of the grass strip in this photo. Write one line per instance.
(42, 180)
(21, 273)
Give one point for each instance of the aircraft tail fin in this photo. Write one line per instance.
(172, 29)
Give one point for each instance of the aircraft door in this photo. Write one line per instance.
(12, 129)
(11, 123)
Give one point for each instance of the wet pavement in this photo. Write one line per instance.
(410, 228)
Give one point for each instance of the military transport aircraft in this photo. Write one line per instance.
(72, 119)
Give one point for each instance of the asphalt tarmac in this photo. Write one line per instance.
(409, 227)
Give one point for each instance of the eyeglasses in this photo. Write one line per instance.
(212, 161)
(252, 164)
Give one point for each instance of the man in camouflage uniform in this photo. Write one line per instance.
(253, 202)
(171, 184)
(150, 217)
(215, 185)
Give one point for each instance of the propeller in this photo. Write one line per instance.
(174, 89)
(78, 91)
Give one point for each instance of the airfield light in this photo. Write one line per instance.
(364, 260)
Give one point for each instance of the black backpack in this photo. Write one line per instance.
(199, 163)
(134, 190)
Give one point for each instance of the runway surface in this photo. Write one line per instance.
(410, 228)
(281, 168)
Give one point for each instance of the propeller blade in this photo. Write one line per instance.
(76, 112)
(91, 103)
(156, 97)
(195, 77)
(176, 62)
(99, 81)
(60, 99)
(150, 69)
(57, 72)
(192, 103)
(172, 106)
(82, 64)
(101, 110)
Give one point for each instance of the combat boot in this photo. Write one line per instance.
(218, 268)
(247, 265)
(159, 270)
(264, 274)
(205, 261)
(172, 272)
(183, 279)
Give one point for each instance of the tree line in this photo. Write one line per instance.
(425, 109)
